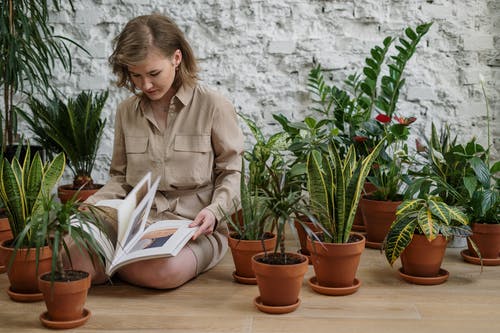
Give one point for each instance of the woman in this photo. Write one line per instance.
(180, 131)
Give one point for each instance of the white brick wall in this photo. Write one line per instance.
(259, 53)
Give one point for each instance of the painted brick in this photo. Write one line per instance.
(259, 53)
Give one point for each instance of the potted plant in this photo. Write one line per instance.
(64, 290)
(29, 49)
(334, 186)
(75, 128)
(365, 112)
(419, 235)
(22, 188)
(250, 231)
(280, 273)
(5, 234)
(483, 202)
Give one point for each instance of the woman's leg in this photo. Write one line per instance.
(161, 273)
(81, 261)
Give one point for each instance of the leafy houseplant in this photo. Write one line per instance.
(74, 128)
(22, 189)
(365, 112)
(250, 230)
(29, 49)
(280, 273)
(65, 291)
(427, 217)
(334, 185)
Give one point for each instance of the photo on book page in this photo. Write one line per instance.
(156, 238)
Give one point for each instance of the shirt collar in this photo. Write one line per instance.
(185, 94)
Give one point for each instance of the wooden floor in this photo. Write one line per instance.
(468, 302)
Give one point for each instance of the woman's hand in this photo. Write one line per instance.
(206, 221)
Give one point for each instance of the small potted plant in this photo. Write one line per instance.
(335, 186)
(75, 128)
(250, 231)
(64, 290)
(22, 188)
(419, 236)
(280, 273)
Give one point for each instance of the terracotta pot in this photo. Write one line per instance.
(244, 250)
(487, 239)
(23, 275)
(5, 234)
(279, 285)
(302, 234)
(378, 217)
(336, 264)
(423, 258)
(64, 300)
(359, 223)
(66, 192)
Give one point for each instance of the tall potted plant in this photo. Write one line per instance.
(64, 290)
(419, 235)
(29, 49)
(365, 112)
(75, 128)
(335, 185)
(22, 189)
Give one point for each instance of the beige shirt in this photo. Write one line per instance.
(198, 155)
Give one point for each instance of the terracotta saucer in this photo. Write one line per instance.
(64, 324)
(244, 280)
(342, 291)
(427, 281)
(373, 245)
(475, 260)
(3, 269)
(20, 297)
(275, 309)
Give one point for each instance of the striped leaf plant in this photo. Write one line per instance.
(23, 186)
(428, 216)
(335, 185)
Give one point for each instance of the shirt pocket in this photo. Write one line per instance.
(138, 159)
(136, 144)
(192, 163)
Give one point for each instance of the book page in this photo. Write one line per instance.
(161, 239)
(130, 203)
(99, 236)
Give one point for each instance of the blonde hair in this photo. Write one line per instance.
(135, 41)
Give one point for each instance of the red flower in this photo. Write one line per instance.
(383, 118)
(359, 138)
(405, 121)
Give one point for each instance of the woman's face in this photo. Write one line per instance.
(155, 74)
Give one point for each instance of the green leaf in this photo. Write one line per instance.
(411, 34)
(428, 225)
(398, 238)
(470, 184)
(481, 170)
(370, 73)
(440, 210)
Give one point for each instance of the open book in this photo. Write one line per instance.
(135, 240)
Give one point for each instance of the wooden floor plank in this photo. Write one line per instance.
(213, 302)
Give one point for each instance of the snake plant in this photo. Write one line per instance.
(335, 185)
(23, 187)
